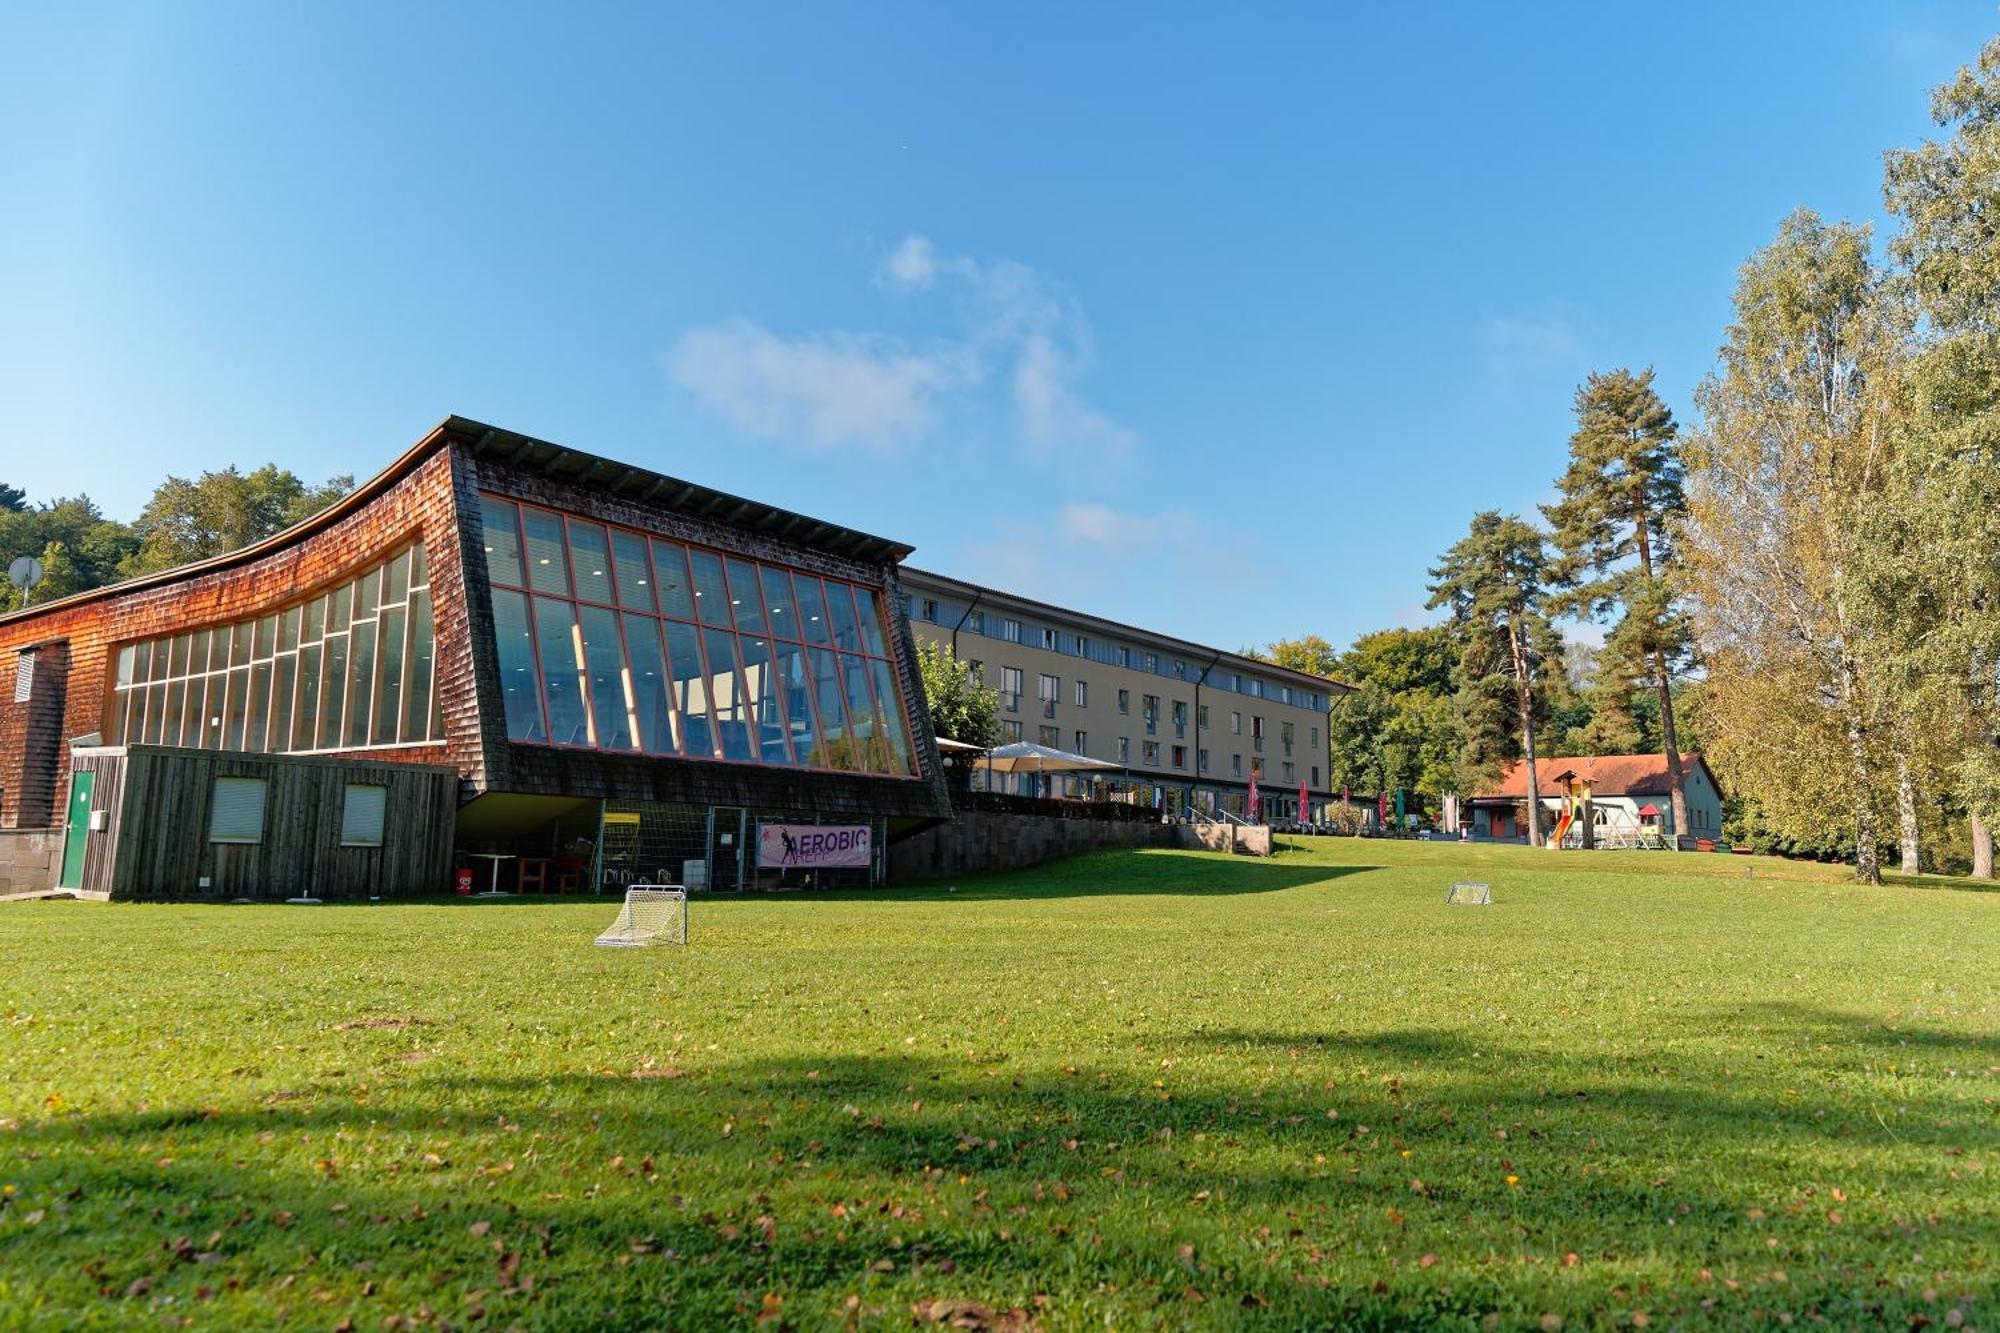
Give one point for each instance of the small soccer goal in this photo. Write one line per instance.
(1469, 893)
(652, 914)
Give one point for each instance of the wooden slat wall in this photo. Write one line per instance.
(163, 851)
(99, 858)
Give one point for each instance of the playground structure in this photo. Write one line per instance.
(1576, 802)
(1610, 826)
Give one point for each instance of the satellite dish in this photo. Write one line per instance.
(25, 572)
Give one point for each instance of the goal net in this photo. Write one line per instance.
(1469, 893)
(652, 914)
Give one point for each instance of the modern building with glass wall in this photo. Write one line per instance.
(1186, 725)
(631, 674)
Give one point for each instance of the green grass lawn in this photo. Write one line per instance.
(1130, 1090)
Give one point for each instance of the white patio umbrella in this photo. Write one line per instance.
(1028, 757)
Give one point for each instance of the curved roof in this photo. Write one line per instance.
(482, 441)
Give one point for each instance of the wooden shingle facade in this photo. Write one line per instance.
(383, 607)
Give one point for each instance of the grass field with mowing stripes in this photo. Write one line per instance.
(1130, 1090)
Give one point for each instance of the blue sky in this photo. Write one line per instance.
(1221, 319)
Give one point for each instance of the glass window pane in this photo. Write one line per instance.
(190, 715)
(520, 681)
(197, 661)
(360, 681)
(632, 571)
(127, 659)
(710, 598)
(590, 562)
(365, 589)
(259, 714)
(611, 704)
(420, 567)
(833, 749)
(889, 716)
(503, 541)
(562, 669)
(548, 568)
(284, 678)
(690, 691)
(332, 693)
(165, 727)
(760, 680)
(796, 686)
(744, 597)
(236, 708)
(870, 748)
(421, 669)
(389, 676)
(812, 605)
(177, 661)
(670, 573)
(305, 718)
(725, 695)
(871, 622)
(339, 609)
(396, 580)
(240, 637)
(156, 703)
(840, 610)
(267, 638)
(313, 622)
(778, 602)
(650, 685)
(208, 723)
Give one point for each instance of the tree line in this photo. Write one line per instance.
(185, 520)
(1804, 583)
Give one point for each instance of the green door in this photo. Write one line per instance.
(77, 836)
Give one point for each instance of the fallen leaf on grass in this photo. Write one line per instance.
(973, 1315)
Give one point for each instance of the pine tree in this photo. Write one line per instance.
(1622, 499)
(1494, 581)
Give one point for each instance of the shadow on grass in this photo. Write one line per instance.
(970, 1178)
(1099, 874)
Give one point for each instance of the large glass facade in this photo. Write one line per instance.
(352, 669)
(611, 639)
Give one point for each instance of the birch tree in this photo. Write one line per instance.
(1793, 453)
(1945, 592)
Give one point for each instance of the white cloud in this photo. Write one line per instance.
(912, 265)
(1101, 525)
(1532, 343)
(819, 389)
(1023, 342)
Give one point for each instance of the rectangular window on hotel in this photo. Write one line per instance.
(351, 669)
(613, 640)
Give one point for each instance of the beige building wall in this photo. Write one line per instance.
(1059, 697)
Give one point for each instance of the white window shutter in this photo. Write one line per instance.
(236, 814)
(362, 815)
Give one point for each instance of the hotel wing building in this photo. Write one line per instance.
(1185, 724)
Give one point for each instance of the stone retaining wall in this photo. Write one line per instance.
(28, 858)
(978, 841)
(1250, 839)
